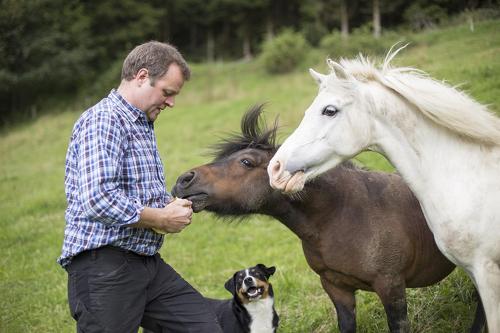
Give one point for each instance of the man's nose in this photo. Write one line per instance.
(170, 101)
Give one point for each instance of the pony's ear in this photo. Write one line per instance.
(319, 78)
(337, 69)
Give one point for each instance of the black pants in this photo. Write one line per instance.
(114, 290)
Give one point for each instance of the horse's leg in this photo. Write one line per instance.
(345, 305)
(479, 317)
(391, 291)
(487, 277)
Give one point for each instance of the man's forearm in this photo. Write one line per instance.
(148, 218)
(171, 219)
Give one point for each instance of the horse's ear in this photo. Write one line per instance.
(319, 78)
(337, 69)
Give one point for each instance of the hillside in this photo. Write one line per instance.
(32, 201)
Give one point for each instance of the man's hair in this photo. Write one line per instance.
(156, 57)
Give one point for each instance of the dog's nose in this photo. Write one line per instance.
(248, 280)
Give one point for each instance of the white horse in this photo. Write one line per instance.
(445, 145)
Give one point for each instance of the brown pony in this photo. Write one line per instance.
(359, 229)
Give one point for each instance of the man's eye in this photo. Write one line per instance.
(247, 163)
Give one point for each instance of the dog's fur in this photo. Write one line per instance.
(251, 310)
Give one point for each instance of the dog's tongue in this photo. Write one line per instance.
(252, 291)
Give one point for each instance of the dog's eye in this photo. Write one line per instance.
(247, 163)
(330, 111)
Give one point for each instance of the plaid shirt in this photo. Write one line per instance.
(113, 170)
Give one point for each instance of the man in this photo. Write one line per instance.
(116, 196)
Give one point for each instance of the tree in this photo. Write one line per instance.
(44, 49)
(344, 20)
(376, 19)
(118, 25)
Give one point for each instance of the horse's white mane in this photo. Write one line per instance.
(443, 104)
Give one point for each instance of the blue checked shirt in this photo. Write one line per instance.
(113, 171)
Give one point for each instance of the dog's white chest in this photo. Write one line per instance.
(261, 313)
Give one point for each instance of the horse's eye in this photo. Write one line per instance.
(246, 162)
(330, 111)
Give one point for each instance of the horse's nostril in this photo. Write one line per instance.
(276, 168)
(186, 178)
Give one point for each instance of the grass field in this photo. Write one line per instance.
(32, 202)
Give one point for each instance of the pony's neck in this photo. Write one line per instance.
(421, 151)
(296, 220)
(293, 213)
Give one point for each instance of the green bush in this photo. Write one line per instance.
(284, 52)
(424, 16)
(471, 17)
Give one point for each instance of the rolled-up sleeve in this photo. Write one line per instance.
(102, 143)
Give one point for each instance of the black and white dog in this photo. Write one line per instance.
(251, 310)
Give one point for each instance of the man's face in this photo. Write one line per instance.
(162, 94)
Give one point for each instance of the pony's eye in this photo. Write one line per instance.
(246, 162)
(329, 111)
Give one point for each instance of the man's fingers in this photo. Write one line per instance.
(184, 202)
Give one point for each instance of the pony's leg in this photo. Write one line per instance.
(479, 317)
(345, 305)
(391, 291)
(487, 277)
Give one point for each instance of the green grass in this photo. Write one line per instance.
(32, 202)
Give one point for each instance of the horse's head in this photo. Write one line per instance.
(236, 182)
(335, 127)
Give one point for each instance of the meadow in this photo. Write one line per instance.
(32, 202)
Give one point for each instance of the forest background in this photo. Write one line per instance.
(54, 50)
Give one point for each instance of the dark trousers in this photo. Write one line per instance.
(114, 290)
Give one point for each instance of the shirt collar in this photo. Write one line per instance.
(130, 111)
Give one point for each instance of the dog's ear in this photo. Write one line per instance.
(267, 270)
(230, 285)
(270, 271)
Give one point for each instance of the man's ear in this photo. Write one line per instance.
(142, 75)
(230, 285)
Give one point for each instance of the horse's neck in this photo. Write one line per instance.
(293, 213)
(438, 165)
(300, 214)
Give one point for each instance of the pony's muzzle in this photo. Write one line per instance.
(275, 169)
(282, 179)
(185, 180)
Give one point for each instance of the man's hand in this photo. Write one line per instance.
(176, 216)
(173, 218)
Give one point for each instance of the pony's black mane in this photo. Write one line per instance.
(254, 134)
